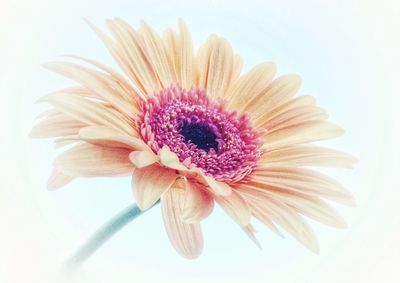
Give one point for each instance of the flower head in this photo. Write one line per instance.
(192, 130)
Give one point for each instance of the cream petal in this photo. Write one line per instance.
(100, 83)
(306, 155)
(198, 202)
(186, 238)
(278, 92)
(58, 179)
(142, 158)
(309, 131)
(284, 216)
(301, 180)
(105, 136)
(78, 90)
(215, 61)
(250, 85)
(236, 207)
(48, 113)
(56, 125)
(127, 90)
(86, 160)
(89, 112)
(128, 51)
(66, 141)
(149, 183)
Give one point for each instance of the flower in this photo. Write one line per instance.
(192, 130)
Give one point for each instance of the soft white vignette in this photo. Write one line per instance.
(347, 54)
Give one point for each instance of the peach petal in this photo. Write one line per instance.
(284, 216)
(250, 232)
(236, 207)
(198, 202)
(186, 238)
(216, 187)
(300, 180)
(170, 159)
(149, 183)
(142, 158)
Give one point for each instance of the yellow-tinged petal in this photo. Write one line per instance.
(250, 85)
(87, 160)
(186, 238)
(307, 155)
(157, 54)
(186, 52)
(236, 71)
(198, 202)
(180, 50)
(149, 183)
(142, 158)
(296, 116)
(215, 61)
(172, 45)
(305, 100)
(309, 131)
(278, 92)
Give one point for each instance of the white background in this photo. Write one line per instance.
(348, 55)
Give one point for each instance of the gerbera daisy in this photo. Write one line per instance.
(192, 130)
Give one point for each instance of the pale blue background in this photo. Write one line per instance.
(344, 52)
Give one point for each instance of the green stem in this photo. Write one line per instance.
(103, 234)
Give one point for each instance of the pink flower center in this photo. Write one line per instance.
(201, 132)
